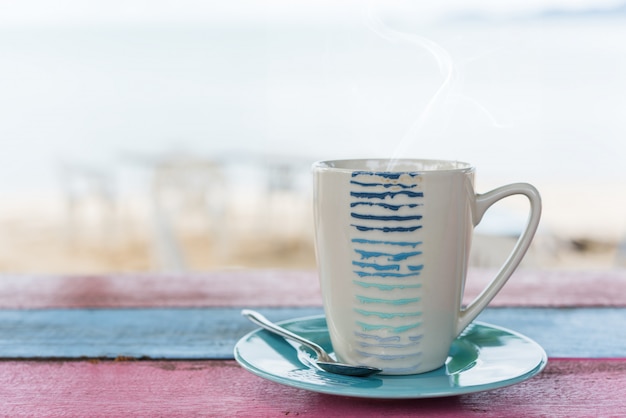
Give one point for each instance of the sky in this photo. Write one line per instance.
(20, 12)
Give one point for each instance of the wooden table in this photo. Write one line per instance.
(161, 345)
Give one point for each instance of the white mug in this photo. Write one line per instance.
(392, 247)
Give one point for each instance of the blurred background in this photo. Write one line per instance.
(178, 135)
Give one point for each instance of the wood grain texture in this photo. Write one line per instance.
(203, 333)
(566, 388)
(272, 288)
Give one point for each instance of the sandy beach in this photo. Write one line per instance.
(94, 238)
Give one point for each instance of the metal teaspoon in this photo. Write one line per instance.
(324, 361)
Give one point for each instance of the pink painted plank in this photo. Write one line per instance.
(567, 387)
(286, 288)
(214, 289)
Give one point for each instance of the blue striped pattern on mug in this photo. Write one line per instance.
(385, 220)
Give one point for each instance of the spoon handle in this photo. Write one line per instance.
(265, 323)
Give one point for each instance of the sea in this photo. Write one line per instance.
(539, 99)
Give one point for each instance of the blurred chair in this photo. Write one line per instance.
(186, 193)
(91, 203)
(288, 196)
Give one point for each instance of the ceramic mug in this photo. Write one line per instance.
(392, 249)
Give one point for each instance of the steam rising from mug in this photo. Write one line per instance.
(437, 104)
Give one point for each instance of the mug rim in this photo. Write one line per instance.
(421, 165)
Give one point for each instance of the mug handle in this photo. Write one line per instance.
(482, 203)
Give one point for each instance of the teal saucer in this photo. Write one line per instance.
(484, 357)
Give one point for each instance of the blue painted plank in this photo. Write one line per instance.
(189, 333)
(210, 333)
(567, 332)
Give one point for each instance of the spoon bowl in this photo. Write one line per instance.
(324, 360)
